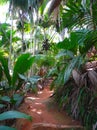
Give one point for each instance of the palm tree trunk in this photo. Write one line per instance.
(54, 4)
(91, 12)
(10, 49)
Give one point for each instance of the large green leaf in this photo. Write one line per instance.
(70, 43)
(6, 128)
(23, 63)
(14, 114)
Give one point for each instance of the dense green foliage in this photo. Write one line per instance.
(65, 59)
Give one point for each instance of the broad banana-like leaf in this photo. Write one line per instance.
(14, 114)
(23, 63)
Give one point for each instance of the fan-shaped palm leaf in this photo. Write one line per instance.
(76, 15)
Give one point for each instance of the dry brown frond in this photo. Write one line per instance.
(76, 77)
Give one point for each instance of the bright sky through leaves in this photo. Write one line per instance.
(3, 11)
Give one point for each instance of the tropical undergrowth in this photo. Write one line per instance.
(10, 99)
(14, 85)
(79, 100)
(75, 85)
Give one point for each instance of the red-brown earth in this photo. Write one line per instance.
(45, 114)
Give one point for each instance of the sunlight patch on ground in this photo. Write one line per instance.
(39, 112)
(40, 92)
(33, 110)
(37, 103)
(32, 98)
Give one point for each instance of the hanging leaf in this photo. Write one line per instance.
(70, 67)
(65, 53)
(93, 78)
(14, 114)
(76, 77)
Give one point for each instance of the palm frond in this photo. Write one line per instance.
(76, 16)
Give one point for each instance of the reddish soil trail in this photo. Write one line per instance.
(45, 114)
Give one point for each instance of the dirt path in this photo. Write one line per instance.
(45, 114)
